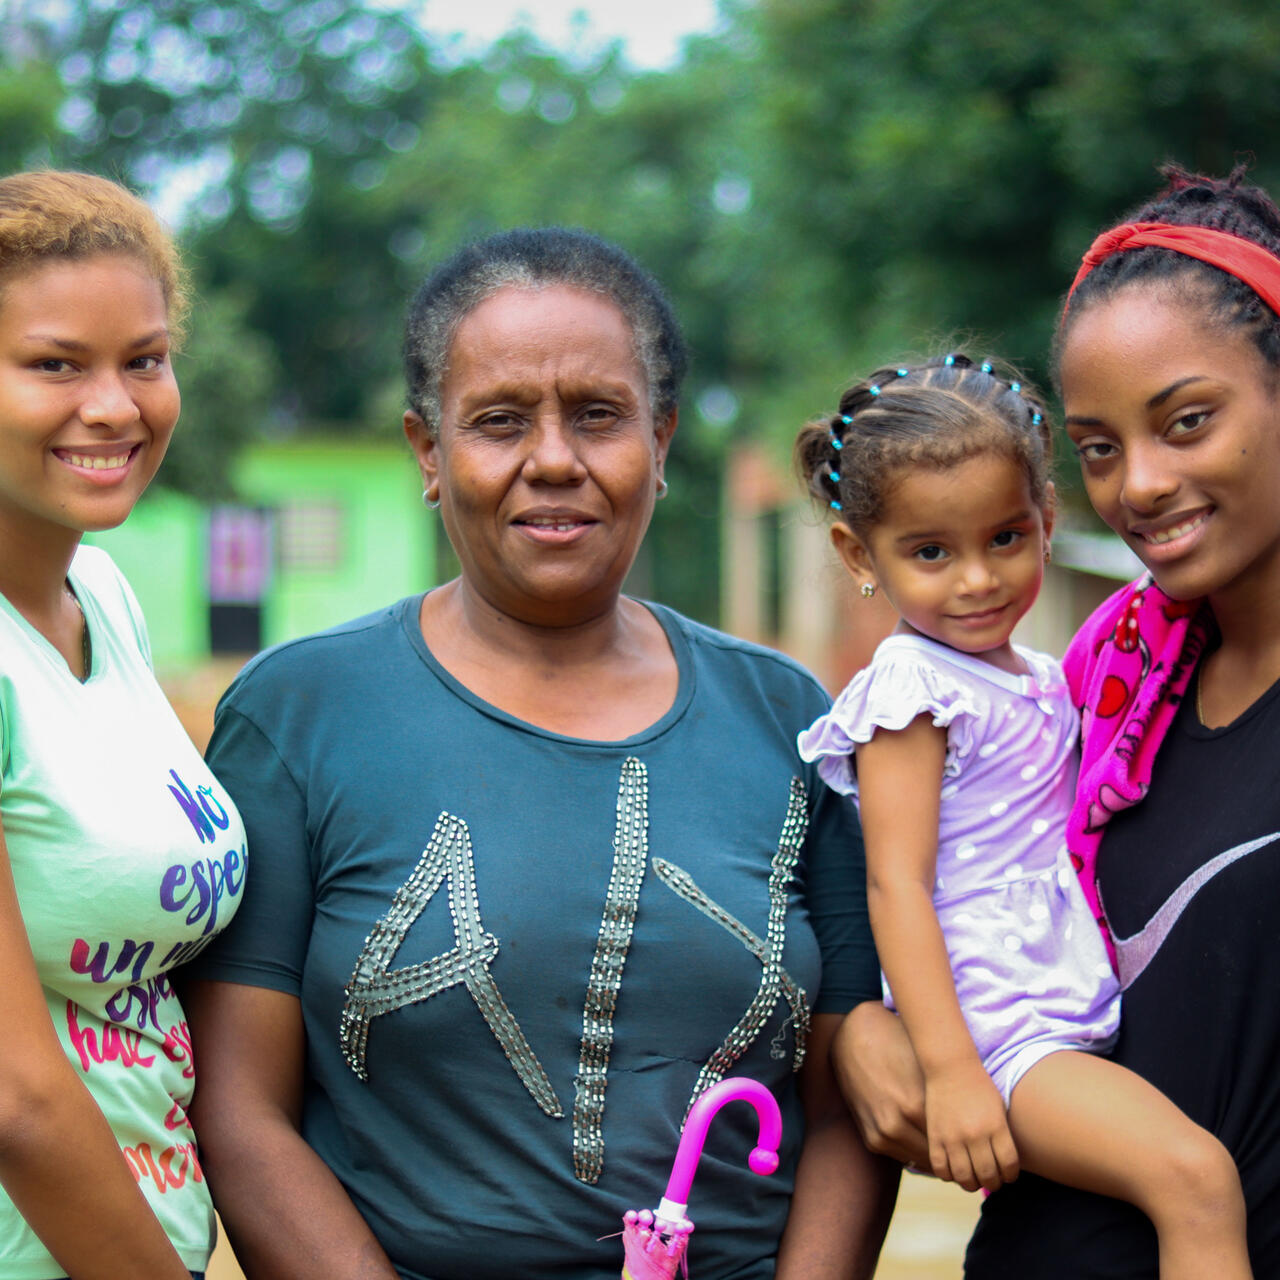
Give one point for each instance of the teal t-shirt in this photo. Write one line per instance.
(520, 956)
(128, 858)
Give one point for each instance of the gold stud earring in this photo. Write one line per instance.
(868, 589)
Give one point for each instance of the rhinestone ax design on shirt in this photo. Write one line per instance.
(775, 982)
(375, 988)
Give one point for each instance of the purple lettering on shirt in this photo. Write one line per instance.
(204, 810)
(208, 881)
(197, 813)
(132, 959)
(140, 1001)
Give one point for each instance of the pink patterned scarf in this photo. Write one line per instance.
(1127, 668)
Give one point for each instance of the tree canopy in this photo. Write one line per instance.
(823, 187)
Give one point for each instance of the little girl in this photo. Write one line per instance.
(965, 749)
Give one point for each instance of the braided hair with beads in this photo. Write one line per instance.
(933, 414)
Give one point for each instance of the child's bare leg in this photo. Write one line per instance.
(1092, 1124)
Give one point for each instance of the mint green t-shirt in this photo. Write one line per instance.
(128, 858)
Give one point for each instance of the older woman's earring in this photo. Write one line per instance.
(427, 501)
(1048, 553)
(663, 487)
(868, 589)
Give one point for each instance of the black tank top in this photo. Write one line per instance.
(1191, 877)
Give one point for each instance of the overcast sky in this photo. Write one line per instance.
(651, 29)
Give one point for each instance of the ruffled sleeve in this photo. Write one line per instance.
(890, 694)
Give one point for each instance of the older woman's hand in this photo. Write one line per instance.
(882, 1083)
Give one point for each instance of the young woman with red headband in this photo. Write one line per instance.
(1168, 360)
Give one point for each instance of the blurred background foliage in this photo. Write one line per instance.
(823, 186)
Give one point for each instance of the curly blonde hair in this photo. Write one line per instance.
(55, 214)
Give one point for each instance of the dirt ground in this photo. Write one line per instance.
(930, 1228)
(927, 1236)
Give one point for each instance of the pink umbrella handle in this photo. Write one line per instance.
(763, 1160)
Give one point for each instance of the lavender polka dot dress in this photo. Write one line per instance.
(1031, 971)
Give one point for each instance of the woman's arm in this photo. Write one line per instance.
(287, 1216)
(59, 1161)
(900, 783)
(844, 1195)
(881, 1080)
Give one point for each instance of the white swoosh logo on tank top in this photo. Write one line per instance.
(1135, 952)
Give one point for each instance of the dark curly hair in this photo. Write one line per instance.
(1223, 204)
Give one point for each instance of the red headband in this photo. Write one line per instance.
(1259, 268)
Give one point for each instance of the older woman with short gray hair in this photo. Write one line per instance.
(534, 863)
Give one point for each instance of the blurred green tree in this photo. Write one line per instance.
(825, 185)
(274, 118)
(936, 169)
(30, 94)
(227, 371)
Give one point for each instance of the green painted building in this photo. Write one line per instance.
(324, 530)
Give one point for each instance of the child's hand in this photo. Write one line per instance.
(969, 1138)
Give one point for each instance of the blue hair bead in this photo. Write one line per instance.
(848, 421)
(836, 442)
(902, 373)
(1015, 386)
(834, 477)
(986, 366)
(873, 391)
(1037, 419)
(949, 361)
(835, 506)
